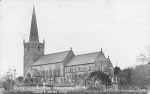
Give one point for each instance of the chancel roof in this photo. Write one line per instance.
(51, 58)
(109, 62)
(83, 59)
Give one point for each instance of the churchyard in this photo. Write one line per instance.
(9, 85)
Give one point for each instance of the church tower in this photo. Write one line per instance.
(32, 49)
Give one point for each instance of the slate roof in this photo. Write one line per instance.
(34, 72)
(102, 56)
(109, 62)
(83, 59)
(51, 58)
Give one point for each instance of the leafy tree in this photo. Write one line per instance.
(79, 79)
(117, 70)
(8, 84)
(98, 77)
(1, 83)
(8, 80)
(125, 77)
(141, 76)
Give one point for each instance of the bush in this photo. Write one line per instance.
(8, 84)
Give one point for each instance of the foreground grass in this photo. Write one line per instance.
(108, 92)
(83, 92)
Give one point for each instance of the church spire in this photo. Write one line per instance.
(33, 30)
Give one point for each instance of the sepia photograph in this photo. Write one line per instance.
(75, 46)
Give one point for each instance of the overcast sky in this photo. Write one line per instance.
(120, 27)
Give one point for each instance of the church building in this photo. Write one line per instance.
(61, 65)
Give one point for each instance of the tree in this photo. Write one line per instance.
(98, 78)
(7, 80)
(1, 83)
(8, 84)
(117, 70)
(141, 76)
(79, 79)
(145, 56)
(125, 77)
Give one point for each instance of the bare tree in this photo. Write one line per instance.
(145, 56)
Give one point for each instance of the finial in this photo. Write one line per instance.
(70, 48)
(108, 56)
(44, 41)
(23, 40)
(101, 49)
(33, 6)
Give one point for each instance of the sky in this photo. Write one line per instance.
(120, 27)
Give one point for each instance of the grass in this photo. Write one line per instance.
(107, 92)
(83, 92)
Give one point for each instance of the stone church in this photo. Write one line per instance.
(61, 65)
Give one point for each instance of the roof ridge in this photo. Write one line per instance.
(87, 53)
(56, 53)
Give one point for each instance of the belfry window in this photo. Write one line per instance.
(28, 47)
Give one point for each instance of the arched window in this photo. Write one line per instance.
(28, 47)
(79, 69)
(46, 73)
(28, 75)
(50, 71)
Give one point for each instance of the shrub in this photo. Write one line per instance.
(8, 84)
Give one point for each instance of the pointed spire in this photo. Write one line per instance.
(33, 30)
(101, 49)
